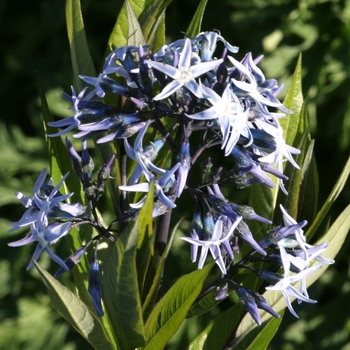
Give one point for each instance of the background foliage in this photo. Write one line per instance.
(33, 38)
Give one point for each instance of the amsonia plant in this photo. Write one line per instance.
(179, 129)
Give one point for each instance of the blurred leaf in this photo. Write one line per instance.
(76, 312)
(171, 310)
(195, 26)
(309, 187)
(79, 49)
(338, 187)
(204, 305)
(150, 15)
(260, 337)
(216, 334)
(120, 289)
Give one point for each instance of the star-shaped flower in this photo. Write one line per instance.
(184, 74)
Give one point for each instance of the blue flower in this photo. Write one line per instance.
(161, 186)
(184, 74)
(45, 234)
(229, 112)
(95, 287)
(104, 84)
(285, 284)
(48, 200)
(144, 157)
(208, 42)
(212, 243)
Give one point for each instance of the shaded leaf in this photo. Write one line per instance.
(120, 289)
(154, 276)
(260, 337)
(76, 312)
(150, 15)
(338, 187)
(216, 334)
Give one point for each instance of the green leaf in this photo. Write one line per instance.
(80, 54)
(120, 289)
(293, 101)
(146, 237)
(135, 37)
(76, 312)
(150, 15)
(120, 33)
(156, 38)
(60, 163)
(216, 334)
(335, 236)
(260, 337)
(338, 187)
(172, 309)
(154, 276)
(196, 23)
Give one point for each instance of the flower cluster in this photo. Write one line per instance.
(183, 101)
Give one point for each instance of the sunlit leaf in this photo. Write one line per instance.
(171, 310)
(76, 312)
(135, 36)
(120, 33)
(80, 54)
(293, 101)
(196, 23)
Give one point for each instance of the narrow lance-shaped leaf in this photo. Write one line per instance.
(135, 36)
(76, 312)
(154, 276)
(80, 54)
(145, 244)
(260, 337)
(338, 187)
(172, 309)
(120, 33)
(216, 334)
(60, 164)
(195, 26)
(148, 18)
(120, 289)
(293, 101)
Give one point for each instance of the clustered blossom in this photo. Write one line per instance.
(183, 100)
